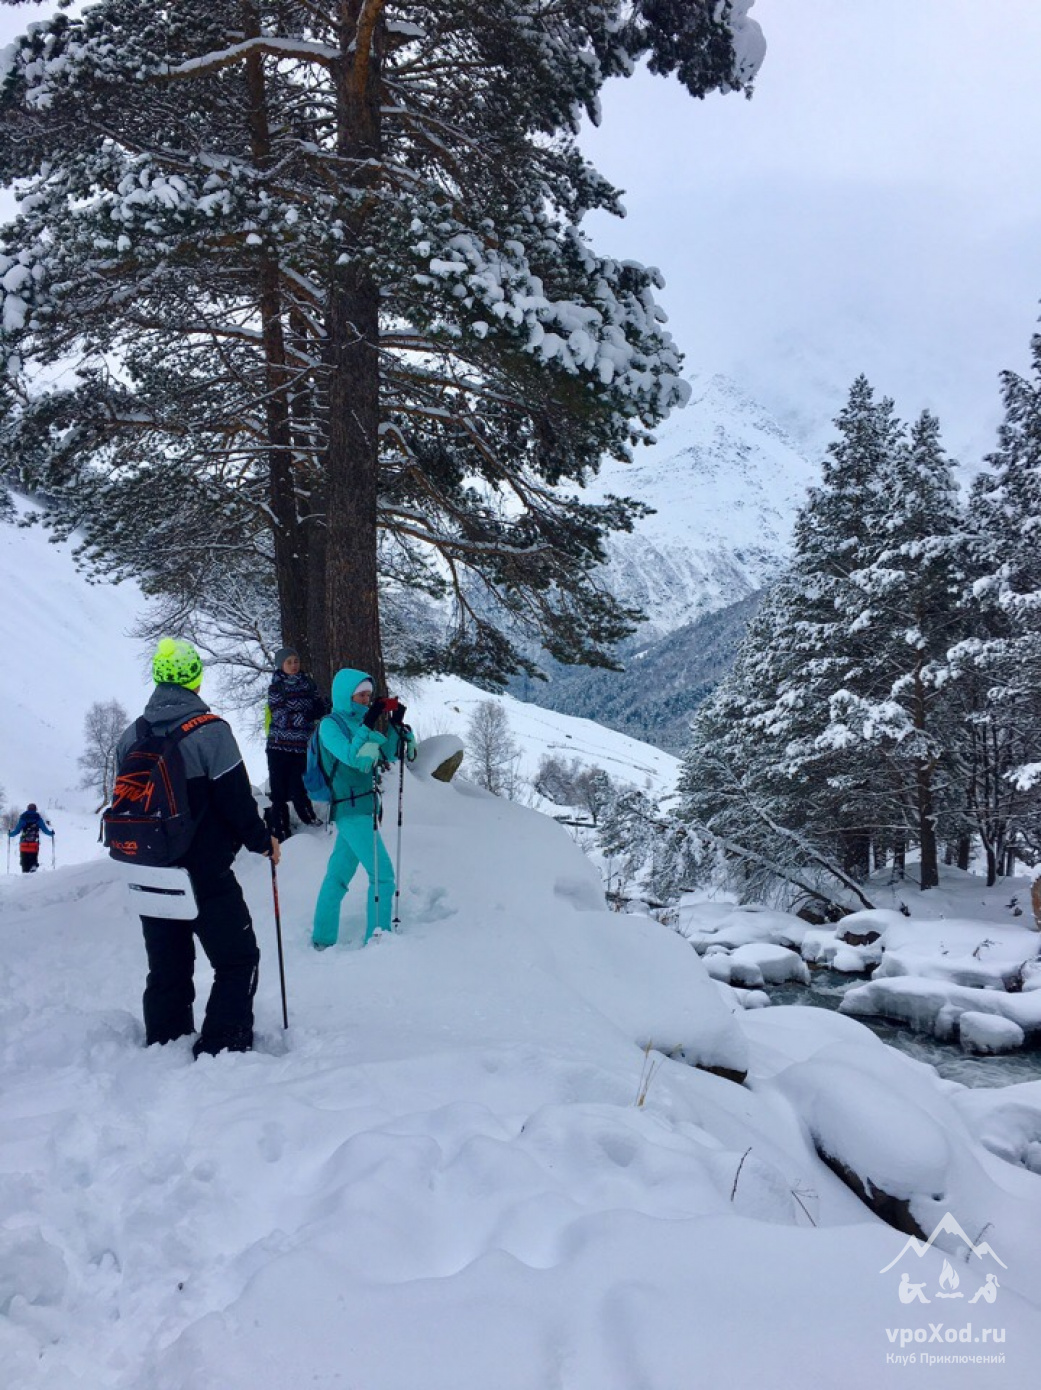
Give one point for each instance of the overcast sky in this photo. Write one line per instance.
(875, 207)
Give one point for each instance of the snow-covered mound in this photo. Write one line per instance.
(726, 482)
(480, 1158)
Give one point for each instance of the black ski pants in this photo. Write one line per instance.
(225, 931)
(286, 772)
(30, 859)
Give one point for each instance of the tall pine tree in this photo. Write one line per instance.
(319, 269)
(898, 716)
(834, 738)
(1004, 656)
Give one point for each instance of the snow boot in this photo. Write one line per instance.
(238, 1040)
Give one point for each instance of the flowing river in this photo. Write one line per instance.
(825, 991)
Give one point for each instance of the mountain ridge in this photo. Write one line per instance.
(725, 480)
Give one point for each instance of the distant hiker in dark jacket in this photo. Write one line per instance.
(294, 706)
(30, 824)
(226, 816)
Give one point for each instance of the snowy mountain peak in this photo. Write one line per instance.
(725, 480)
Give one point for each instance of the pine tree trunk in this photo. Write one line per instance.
(929, 876)
(290, 568)
(930, 872)
(856, 854)
(352, 626)
(307, 410)
(900, 856)
(964, 852)
(321, 666)
(352, 629)
(992, 864)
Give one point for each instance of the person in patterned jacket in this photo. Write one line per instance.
(30, 823)
(294, 706)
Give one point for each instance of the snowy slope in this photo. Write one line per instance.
(446, 705)
(726, 481)
(441, 1179)
(67, 644)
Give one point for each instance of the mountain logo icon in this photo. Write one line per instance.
(946, 1225)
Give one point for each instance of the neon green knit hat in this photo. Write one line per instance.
(176, 662)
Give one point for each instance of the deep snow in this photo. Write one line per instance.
(441, 1177)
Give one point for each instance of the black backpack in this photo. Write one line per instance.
(149, 820)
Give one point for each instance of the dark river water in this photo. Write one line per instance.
(825, 991)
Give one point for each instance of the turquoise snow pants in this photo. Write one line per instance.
(354, 845)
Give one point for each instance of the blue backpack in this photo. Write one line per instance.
(317, 782)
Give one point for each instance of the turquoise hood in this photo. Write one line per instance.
(345, 683)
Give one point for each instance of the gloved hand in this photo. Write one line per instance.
(374, 711)
(367, 755)
(397, 715)
(408, 747)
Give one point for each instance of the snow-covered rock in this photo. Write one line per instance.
(878, 1142)
(706, 924)
(987, 1033)
(855, 960)
(1006, 1120)
(775, 964)
(439, 756)
(862, 928)
(1031, 975)
(934, 1006)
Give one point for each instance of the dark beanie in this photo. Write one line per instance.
(283, 654)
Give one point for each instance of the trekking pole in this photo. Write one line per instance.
(402, 745)
(8, 854)
(278, 938)
(376, 847)
(54, 856)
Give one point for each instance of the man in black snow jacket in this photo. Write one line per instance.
(226, 818)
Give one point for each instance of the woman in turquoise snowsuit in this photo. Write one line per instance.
(350, 752)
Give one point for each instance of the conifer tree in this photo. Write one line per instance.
(319, 268)
(836, 734)
(907, 611)
(766, 813)
(817, 651)
(1003, 656)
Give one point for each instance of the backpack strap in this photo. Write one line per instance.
(197, 721)
(348, 732)
(143, 730)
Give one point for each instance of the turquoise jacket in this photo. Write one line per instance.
(356, 750)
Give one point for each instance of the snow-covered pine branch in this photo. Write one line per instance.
(254, 223)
